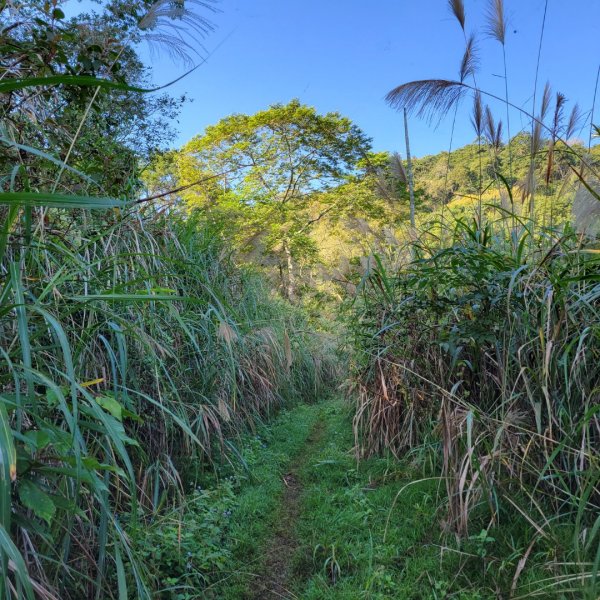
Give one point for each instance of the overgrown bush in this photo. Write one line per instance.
(489, 348)
(186, 549)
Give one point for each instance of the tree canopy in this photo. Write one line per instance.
(275, 170)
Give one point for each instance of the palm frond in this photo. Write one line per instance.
(457, 8)
(496, 21)
(428, 97)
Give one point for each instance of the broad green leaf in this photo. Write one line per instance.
(39, 439)
(54, 398)
(111, 405)
(34, 498)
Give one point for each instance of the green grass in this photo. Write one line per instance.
(349, 549)
(226, 523)
(369, 529)
(268, 455)
(343, 550)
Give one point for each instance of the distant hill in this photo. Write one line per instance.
(442, 178)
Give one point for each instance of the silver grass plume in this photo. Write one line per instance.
(573, 123)
(546, 98)
(537, 139)
(496, 22)
(536, 143)
(470, 59)
(556, 125)
(457, 8)
(397, 168)
(428, 97)
(477, 115)
(558, 113)
(397, 173)
(496, 27)
(169, 22)
(493, 132)
(477, 121)
(586, 210)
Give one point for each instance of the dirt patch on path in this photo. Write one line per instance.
(277, 576)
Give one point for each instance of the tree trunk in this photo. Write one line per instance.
(291, 280)
(411, 185)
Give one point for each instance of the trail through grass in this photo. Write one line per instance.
(300, 518)
(311, 523)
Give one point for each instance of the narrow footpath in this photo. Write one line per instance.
(276, 578)
(315, 524)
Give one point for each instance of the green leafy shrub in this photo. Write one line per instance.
(187, 549)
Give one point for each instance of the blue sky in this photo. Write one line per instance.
(344, 55)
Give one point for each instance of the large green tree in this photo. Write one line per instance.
(277, 169)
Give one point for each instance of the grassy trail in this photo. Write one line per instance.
(276, 577)
(311, 523)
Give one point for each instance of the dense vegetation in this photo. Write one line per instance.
(133, 348)
(161, 306)
(476, 342)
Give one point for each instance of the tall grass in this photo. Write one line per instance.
(484, 347)
(489, 350)
(132, 351)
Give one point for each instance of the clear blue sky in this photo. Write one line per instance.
(344, 55)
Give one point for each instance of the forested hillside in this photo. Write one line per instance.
(271, 362)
